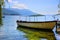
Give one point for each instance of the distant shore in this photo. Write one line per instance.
(11, 14)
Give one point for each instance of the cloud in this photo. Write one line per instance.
(13, 1)
(18, 5)
(46, 12)
(9, 0)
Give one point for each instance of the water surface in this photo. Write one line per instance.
(9, 31)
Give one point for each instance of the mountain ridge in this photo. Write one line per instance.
(17, 12)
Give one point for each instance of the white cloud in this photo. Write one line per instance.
(18, 5)
(9, 0)
(46, 12)
(13, 1)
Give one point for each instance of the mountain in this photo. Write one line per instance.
(24, 11)
(9, 12)
(12, 11)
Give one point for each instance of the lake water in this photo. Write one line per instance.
(9, 31)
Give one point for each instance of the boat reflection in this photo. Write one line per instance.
(32, 34)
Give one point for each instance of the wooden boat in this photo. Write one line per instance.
(36, 24)
(58, 27)
(58, 23)
(39, 25)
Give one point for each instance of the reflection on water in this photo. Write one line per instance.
(33, 34)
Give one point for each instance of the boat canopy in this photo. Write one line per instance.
(32, 15)
(37, 15)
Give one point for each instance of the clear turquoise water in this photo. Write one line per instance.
(9, 31)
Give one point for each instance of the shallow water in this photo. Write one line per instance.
(9, 31)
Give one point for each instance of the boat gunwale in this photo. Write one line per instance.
(35, 21)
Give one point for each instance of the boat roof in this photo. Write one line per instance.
(33, 15)
(37, 15)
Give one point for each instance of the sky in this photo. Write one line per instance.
(45, 7)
